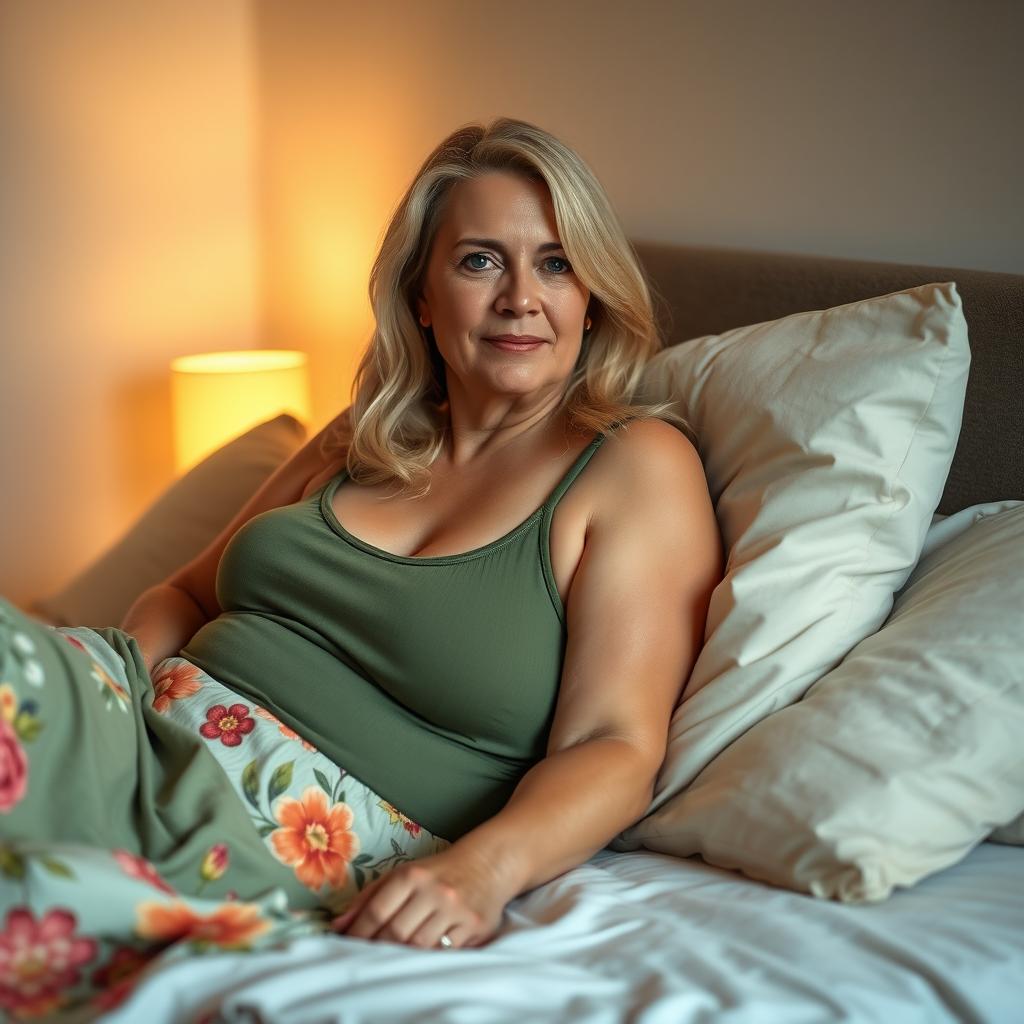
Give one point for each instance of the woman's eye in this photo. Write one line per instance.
(559, 259)
(477, 256)
(484, 256)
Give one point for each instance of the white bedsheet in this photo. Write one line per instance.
(648, 938)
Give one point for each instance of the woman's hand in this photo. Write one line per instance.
(449, 893)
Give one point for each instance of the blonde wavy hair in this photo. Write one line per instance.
(395, 427)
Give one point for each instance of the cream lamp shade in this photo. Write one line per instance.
(216, 396)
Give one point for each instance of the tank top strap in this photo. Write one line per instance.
(574, 471)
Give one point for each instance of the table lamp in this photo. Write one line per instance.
(216, 396)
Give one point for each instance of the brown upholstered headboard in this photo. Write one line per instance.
(701, 290)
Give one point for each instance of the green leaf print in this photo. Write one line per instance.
(265, 830)
(322, 780)
(251, 783)
(27, 726)
(11, 864)
(360, 877)
(362, 858)
(279, 781)
(55, 867)
(397, 848)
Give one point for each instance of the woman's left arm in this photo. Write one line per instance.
(636, 613)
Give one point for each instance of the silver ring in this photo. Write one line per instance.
(445, 941)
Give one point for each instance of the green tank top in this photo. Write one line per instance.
(432, 680)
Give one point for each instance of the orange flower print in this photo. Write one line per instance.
(8, 702)
(397, 816)
(230, 926)
(290, 734)
(173, 683)
(110, 688)
(317, 841)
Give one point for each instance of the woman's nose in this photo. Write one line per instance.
(518, 291)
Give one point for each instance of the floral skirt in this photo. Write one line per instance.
(145, 817)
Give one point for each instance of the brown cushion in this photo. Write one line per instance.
(709, 290)
(175, 528)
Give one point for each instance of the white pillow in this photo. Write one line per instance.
(826, 439)
(1013, 833)
(901, 760)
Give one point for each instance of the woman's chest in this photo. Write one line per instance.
(464, 515)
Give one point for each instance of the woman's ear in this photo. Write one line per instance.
(422, 311)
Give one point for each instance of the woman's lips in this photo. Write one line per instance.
(515, 346)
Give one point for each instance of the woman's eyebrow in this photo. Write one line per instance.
(493, 243)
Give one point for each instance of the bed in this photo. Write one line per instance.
(641, 935)
(654, 939)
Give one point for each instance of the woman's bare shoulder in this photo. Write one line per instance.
(639, 441)
(642, 461)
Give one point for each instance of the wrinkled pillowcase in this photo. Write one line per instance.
(175, 528)
(826, 439)
(899, 761)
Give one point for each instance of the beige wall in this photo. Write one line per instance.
(128, 236)
(873, 129)
(182, 176)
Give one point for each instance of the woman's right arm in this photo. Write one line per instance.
(166, 616)
(163, 619)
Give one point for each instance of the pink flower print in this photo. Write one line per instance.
(118, 977)
(215, 863)
(230, 724)
(39, 960)
(13, 767)
(139, 867)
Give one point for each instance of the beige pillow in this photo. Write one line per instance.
(177, 526)
(1013, 833)
(826, 439)
(899, 761)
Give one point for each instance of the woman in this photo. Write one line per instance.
(467, 607)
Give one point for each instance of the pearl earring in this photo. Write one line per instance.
(586, 324)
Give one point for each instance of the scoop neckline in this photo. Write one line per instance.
(327, 510)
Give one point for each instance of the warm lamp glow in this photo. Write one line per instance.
(218, 395)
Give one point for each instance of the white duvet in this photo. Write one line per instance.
(653, 939)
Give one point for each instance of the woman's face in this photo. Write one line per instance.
(516, 282)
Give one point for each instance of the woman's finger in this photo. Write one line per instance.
(342, 921)
(418, 909)
(382, 905)
(429, 934)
